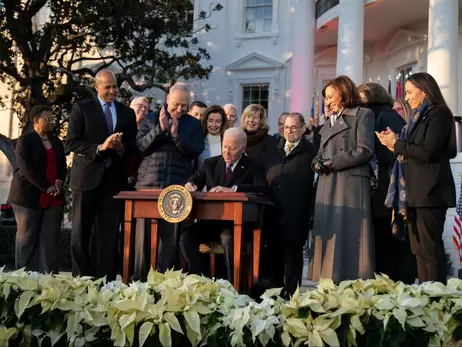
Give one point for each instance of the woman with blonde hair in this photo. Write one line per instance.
(403, 109)
(254, 121)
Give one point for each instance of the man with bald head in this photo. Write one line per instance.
(230, 172)
(100, 131)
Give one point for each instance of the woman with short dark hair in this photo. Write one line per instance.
(422, 186)
(343, 233)
(214, 123)
(36, 194)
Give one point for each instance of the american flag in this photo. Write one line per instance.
(457, 237)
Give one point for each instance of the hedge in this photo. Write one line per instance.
(174, 309)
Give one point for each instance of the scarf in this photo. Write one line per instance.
(254, 137)
(396, 196)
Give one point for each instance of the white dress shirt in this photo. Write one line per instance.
(112, 108)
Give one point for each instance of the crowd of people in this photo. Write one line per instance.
(369, 188)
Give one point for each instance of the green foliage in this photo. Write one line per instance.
(174, 309)
(49, 50)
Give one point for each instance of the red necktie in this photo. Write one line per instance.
(228, 172)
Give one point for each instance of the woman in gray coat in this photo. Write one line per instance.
(343, 233)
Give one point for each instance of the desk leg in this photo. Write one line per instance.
(256, 254)
(154, 244)
(237, 255)
(129, 231)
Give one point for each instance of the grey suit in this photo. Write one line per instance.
(343, 233)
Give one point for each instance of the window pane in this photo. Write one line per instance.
(261, 2)
(255, 94)
(251, 13)
(265, 105)
(264, 93)
(268, 12)
(268, 2)
(260, 13)
(251, 2)
(267, 25)
(246, 93)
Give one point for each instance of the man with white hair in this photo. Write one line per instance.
(231, 114)
(170, 140)
(233, 171)
(141, 107)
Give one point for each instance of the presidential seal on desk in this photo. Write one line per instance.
(175, 203)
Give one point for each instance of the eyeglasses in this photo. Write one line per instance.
(292, 128)
(49, 119)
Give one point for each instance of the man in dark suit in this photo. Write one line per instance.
(100, 131)
(233, 171)
(291, 185)
(169, 140)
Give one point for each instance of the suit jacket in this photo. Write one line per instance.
(246, 176)
(427, 170)
(29, 179)
(86, 130)
(291, 182)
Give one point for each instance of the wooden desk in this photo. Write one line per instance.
(238, 207)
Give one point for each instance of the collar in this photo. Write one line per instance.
(294, 143)
(233, 165)
(103, 103)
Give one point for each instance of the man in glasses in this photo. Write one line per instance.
(291, 183)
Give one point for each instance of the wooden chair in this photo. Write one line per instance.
(216, 248)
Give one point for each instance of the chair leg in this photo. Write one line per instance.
(249, 272)
(212, 265)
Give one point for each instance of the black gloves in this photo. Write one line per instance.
(322, 166)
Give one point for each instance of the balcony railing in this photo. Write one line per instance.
(322, 6)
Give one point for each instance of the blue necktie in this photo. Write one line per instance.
(108, 116)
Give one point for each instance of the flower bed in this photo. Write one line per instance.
(174, 309)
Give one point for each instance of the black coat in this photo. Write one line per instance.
(29, 179)
(291, 188)
(260, 152)
(384, 117)
(246, 176)
(427, 170)
(168, 160)
(87, 130)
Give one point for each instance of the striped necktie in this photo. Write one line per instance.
(289, 147)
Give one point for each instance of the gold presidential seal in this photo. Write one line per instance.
(175, 203)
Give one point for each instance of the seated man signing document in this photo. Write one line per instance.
(233, 171)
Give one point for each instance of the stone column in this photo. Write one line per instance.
(303, 21)
(443, 49)
(350, 42)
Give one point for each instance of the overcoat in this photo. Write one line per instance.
(343, 232)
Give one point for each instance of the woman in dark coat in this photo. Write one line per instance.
(260, 145)
(291, 183)
(36, 194)
(343, 232)
(422, 173)
(391, 253)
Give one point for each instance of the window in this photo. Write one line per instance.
(190, 19)
(255, 94)
(401, 78)
(259, 16)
